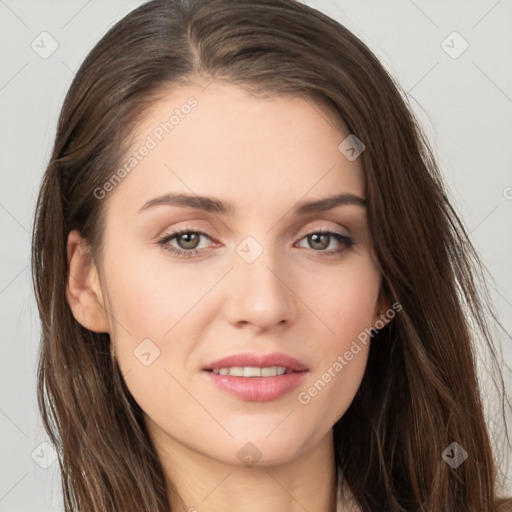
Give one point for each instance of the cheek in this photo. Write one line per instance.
(330, 392)
(347, 301)
(145, 299)
(157, 311)
(348, 308)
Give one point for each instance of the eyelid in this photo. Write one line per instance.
(346, 241)
(180, 231)
(199, 231)
(324, 228)
(194, 229)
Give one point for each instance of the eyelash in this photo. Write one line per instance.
(347, 242)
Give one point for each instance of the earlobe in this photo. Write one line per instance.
(383, 306)
(83, 290)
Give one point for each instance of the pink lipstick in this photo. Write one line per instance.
(256, 377)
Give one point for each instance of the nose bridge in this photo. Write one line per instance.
(259, 295)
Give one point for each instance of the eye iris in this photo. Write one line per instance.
(194, 243)
(315, 237)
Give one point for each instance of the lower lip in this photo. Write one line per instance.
(257, 389)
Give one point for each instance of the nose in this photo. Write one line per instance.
(260, 293)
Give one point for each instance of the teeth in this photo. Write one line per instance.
(251, 371)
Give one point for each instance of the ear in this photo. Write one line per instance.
(83, 290)
(383, 305)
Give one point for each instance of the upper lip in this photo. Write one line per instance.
(251, 359)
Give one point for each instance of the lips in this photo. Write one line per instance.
(257, 388)
(247, 359)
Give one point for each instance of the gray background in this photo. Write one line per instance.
(465, 104)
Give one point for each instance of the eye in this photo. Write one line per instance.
(187, 238)
(188, 241)
(319, 240)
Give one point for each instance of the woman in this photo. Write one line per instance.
(252, 286)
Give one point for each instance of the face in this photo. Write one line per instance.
(254, 273)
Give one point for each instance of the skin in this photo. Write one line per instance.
(264, 156)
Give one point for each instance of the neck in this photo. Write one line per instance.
(306, 482)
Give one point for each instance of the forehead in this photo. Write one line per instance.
(220, 140)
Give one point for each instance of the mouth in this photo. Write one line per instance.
(252, 371)
(256, 377)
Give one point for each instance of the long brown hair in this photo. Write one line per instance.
(420, 392)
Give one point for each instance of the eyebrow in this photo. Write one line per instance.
(213, 205)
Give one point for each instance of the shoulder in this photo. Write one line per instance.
(504, 505)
